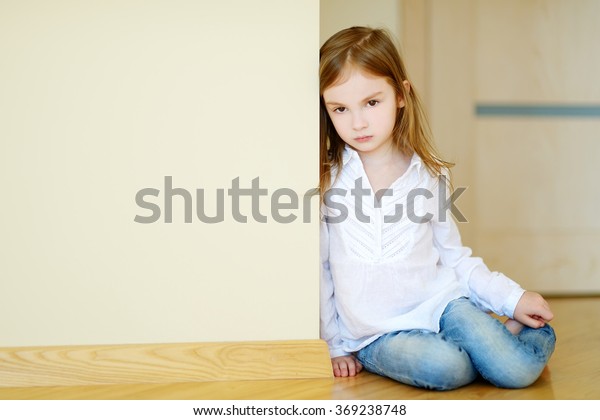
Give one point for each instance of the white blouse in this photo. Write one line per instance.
(395, 264)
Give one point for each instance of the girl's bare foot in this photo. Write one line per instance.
(513, 326)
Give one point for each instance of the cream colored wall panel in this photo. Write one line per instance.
(449, 96)
(537, 202)
(537, 175)
(100, 100)
(561, 263)
(531, 202)
(540, 51)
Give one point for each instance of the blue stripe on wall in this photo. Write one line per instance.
(532, 110)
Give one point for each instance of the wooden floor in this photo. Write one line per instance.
(573, 373)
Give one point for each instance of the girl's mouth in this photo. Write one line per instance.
(363, 139)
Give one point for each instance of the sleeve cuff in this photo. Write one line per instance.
(337, 353)
(511, 302)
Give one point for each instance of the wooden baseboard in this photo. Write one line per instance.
(163, 363)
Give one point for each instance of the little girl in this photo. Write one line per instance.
(400, 294)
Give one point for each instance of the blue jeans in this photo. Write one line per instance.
(470, 342)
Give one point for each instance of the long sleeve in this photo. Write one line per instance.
(330, 331)
(491, 291)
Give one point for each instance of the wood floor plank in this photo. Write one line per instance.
(572, 374)
(163, 363)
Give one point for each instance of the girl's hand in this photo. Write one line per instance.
(345, 366)
(533, 310)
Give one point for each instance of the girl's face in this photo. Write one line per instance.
(363, 110)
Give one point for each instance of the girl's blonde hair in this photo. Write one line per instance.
(372, 51)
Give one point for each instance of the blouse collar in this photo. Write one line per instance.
(351, 156)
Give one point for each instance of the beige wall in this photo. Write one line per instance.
(340, 14)
(531, 201)
(99, 100)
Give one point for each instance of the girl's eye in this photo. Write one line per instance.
(372, 102)
(340, 110)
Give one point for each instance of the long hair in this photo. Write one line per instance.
(372, 51)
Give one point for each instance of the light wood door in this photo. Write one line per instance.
(513, 96)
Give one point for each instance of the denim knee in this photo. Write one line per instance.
(540, 343)
(419, 358)
(450, 371)
(501, 358)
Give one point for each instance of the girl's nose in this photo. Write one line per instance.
(359, 121)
